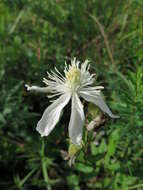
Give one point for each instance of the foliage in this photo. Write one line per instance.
(36, 36)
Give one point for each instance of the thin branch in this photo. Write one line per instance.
(104, 37)
(21, 13)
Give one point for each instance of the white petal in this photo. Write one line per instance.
(37, 89)
(51, 115)
(98, 100)
(76, 120)
(84, 66)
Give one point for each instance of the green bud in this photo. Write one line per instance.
(74, 149)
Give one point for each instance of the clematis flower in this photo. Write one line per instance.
(76, 83)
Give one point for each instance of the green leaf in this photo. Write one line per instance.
(84, 168)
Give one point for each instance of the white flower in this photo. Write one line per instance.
(76, 83)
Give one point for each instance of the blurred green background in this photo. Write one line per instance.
(36, 36)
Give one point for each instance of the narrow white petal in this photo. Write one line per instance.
(76, 120)
(98, 100)
(84, 66)
(51, 115)
(37, 89)
(91, 88)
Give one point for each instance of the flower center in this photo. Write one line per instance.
(73, 76)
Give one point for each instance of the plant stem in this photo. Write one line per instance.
(44, 167)
(104, 37)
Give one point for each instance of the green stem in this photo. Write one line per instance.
(44, 167)
(136, 186)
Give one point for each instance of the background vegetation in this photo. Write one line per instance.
(36, 36)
